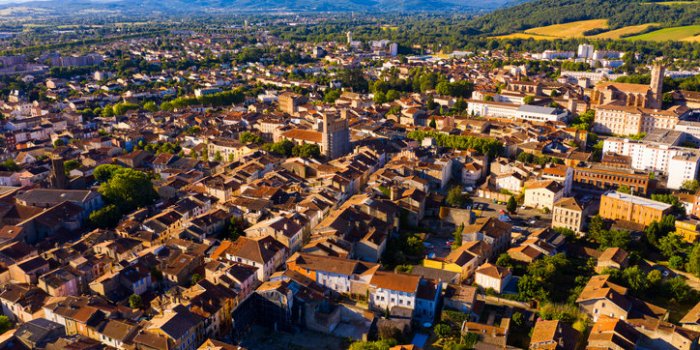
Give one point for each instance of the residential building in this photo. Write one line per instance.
(627, 207)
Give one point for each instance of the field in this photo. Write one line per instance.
(686, 33)
(569, 30)
(672, 3)
(525, 36)
(624, 31)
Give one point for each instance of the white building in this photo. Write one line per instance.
(679, 163)
(585, 51)
(492, 276)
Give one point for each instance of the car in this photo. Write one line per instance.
(666, 273)
(449, 243)
(531, 222)
(523, 207)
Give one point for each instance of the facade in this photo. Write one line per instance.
(626, 207)
(568, 213)
(543, 194)
(599, 178)
(490, 276)
(335, 137)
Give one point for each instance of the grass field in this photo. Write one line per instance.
(685, 33)
(569, 30)
(619, 33)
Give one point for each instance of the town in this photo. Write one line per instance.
(234, 189)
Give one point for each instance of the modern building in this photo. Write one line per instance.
(600, 178)
(626, 207)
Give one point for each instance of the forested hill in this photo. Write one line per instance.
(620, 13)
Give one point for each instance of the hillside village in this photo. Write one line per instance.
(179, 193)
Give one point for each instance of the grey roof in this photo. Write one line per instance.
(537, 109)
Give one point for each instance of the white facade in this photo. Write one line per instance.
(682, 167)
(338, 282)
(585, 51)
(657, 157)
(387, 299)
(485, 281)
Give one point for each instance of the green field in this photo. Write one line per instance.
(624, 31)
(685, 33)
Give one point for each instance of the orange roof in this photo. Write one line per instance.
(395, 281)
(304, 135)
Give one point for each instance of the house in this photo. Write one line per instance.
(542, 193)
(658, 334)
(21, 302)
(335, 273)
(691, 320)
(404, 294)
(266, 253)
(460, 261)
(553, 335)
(489, 276)
(36, 334)
(612, 333)
(495, 233)
(461, 297)
(285, 229)
(569, 213)
(612, 258)
(602, 298)
(175, 328)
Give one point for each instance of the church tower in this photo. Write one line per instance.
(657, 85)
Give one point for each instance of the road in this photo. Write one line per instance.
(493, 300)
(520, 216)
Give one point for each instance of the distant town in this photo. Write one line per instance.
(175, 187)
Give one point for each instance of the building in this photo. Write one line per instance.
(553, 335)
(489, 276)
(334, 273)
(612, 258)
(626, 207)
(599, 178)
(689, 230)
(569, 213)
(543, 193)
(585, 51)
(404, 294)
(266, 254)
(335, 136)
(289, 102)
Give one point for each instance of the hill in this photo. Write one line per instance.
(213, 6)
(619, 13)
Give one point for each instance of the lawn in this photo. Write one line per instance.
(569, 30)
(685, 33)
(624, 31)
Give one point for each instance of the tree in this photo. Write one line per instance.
(458, 236)
(392, 95)
(235, 228)
(70, 165)
(135, 301)
(5, 324)
(249, 137)
(442, 330)
(104, 172)
(693, 265)
(596, 225)
(528, 99)
(624, 189)
(106, 217)
(150, 106)
(128, 189)
(196, 278)
(670, 244)
(635, 278)
(676, 262)
(691, 186)
(504, 260)
(331, 96)
(512, 205)
(59, 143)
(433, 123)
(307, 150)
(455, 198)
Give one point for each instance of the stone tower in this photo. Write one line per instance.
(58, 173)
(657, 85)
(335, 137)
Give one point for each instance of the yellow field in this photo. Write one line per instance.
(569, 30)
(525, 36)
(619, 33)
(685, 33)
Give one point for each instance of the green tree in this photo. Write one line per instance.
(442, 330)
(59, 143)
(528, 100)
(512, 205)
(5, 324)
(455, 198)
(676, 262)
(106, 217)
(70, 165)
(196, 278)
(693, 265)
(249, 137)
(307, 150)
(128, 189)
(392, 95)
(135, 301)
(331, 96)
(624, 189)
(433, 123)
(150, 106)
(691, 186)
